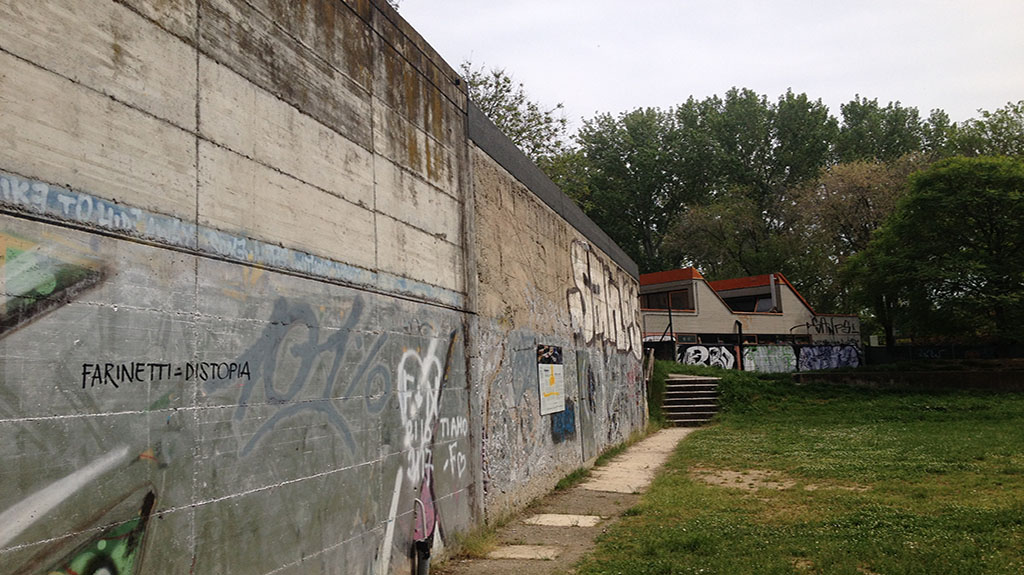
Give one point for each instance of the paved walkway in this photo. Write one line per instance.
(560, 529)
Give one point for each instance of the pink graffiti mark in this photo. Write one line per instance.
(425, 524)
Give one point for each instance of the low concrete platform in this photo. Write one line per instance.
(563, 520)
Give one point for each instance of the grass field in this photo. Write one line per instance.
(821, 479)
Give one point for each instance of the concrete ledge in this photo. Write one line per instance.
(498, 146)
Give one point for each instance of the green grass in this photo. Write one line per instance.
(884, 482)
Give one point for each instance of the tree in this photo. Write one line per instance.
(635, 186)
(951, 257)
(871, 132)
(537, 130)
(759, 151)
(998, 133)
(836, 215)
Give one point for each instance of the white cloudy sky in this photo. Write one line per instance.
(604, 56)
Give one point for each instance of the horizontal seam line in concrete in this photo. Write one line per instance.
(413, 65)
(71, 224)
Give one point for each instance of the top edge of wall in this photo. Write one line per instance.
(498, 146)
(396, 19)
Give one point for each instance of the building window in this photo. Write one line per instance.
(678, 300)
(751, 304)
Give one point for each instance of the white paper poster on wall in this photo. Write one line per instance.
(551, 379)
(552, 388)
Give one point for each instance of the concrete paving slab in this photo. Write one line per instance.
(633, 470)
(562, 520)
(539, 552)
(561, 547)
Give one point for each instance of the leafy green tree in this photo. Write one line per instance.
(871, 132)
(950, 260)
(835, 217)
(759, 151)
(635, 190)
(998, 133)
(539, 131)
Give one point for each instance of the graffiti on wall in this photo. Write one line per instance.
(772, 358)
(36, 278)
(769, 358)
(115, 551)
(588, 390)
(285, 363)
(711, 355)
(814, 357)
(603, 302)
(837, 328)
(563, 423)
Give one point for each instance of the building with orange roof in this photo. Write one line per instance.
(756, 323)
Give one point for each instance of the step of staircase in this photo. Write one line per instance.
(690, 400)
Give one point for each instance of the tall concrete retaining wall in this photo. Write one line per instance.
(258, 314)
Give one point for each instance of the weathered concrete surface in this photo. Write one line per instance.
(541, 283)
(633, 471)
(552, 519)
(529, 552)
(563, 520)
(258, 311)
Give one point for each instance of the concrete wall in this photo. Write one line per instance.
(543, 283)
(251, 310)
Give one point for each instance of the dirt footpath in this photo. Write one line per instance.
(556, 532)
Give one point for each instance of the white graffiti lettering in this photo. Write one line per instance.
(419, 390)
(456, 461)
(604, 301)
(454, 427)
(711, 356)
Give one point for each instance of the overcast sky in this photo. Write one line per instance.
(604, 56)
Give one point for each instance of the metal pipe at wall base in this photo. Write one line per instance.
(422, 546)
(422, 557)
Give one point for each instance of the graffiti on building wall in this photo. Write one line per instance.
(57, 202)
(115, 551)
(563, 423)
(711, 355)
(38, 277)
(294, 367)
(769, 358)
(772, 358)
(837, 328)
(285, 363)
(587, 382)
(814, 357)
(603, 302)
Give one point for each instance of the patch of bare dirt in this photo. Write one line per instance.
(756, 479)
(748, 480)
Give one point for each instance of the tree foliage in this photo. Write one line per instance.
(950, 259)
(759, 152)
(871, 132)
(835, 216)
(742, 185)
(995, 133)
(637, 180)
(539, 131)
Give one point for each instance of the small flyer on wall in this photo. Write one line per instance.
(551, 379)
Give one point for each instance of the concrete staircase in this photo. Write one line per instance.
(690, 400)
